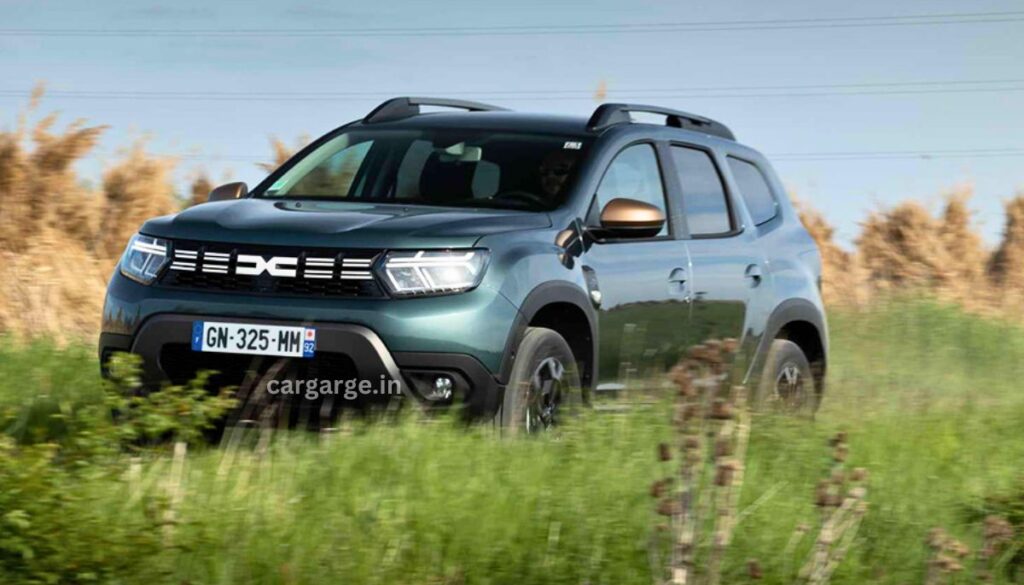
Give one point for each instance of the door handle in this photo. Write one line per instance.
(754, 273)
(678, 275)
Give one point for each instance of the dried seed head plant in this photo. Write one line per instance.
(949, 556)
(754, 570)
(997, 538)
(700, 497)
(946, 559)
(841, 501)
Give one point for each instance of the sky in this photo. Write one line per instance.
(929, 102)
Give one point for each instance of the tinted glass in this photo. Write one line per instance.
(461, 168)
(634, 175)
(754, 189)
(704, 203)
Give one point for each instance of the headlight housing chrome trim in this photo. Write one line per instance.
(412, 273)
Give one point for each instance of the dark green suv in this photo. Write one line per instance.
(505, 261)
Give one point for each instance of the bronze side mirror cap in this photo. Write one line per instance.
(229, 191)
(629, 218)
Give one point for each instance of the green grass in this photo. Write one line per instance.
(934, 409)
(929, 396)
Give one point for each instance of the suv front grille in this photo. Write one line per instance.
(272, 270)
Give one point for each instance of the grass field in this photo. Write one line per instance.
(928, 395)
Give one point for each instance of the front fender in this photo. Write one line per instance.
(544, 295)
(532, 274)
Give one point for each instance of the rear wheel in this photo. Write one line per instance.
(544, 386)
(787, 383)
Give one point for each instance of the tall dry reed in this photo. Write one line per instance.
(282, 152)
(60, 238)
(1006, 266)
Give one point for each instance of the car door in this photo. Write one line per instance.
(644, 308)
(726, 267)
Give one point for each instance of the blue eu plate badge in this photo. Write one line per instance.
(197, 336)
(309, 343)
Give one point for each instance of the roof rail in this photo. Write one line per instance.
(404, 107)
(607, 115)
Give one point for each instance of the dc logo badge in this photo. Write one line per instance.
(279, 266)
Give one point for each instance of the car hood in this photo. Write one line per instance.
(339, 224)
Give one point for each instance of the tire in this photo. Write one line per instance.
(787, 383)
(544, 385)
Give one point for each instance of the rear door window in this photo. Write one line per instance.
(704, 202)
(755, 190)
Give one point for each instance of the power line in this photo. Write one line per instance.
(860, 152)
(590, 91)
(766, 91)
(898, 154)
(519, 30)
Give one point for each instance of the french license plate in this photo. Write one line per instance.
(253, 339)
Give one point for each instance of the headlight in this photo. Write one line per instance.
(424, 273)
(144, 258)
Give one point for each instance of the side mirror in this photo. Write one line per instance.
(228, 191)
(629, 218)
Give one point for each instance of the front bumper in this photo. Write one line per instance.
(465, 335)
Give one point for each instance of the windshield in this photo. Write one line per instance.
(460, 168)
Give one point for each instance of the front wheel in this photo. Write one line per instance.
(544, 385)
(787, 383)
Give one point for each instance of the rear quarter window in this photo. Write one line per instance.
(755, 190)
(704, 201)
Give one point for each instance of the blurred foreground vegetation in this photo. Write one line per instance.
(929, 397)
